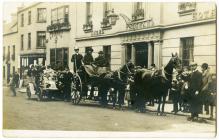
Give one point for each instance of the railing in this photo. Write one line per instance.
(65, 26)
(138, 15)
(186, 7)
(88, 27)
(105, 24)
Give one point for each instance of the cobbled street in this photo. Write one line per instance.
(23, 114)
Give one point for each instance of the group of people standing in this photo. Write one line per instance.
(192, 89)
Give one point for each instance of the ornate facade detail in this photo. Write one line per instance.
(88, 27)
(185, 8)
(65, 26)
(138, 15)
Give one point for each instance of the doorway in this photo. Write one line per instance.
(141, 54)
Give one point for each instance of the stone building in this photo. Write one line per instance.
(10, 48)
(61, 34)
(144, 33)
(32, 23)
(148, 33)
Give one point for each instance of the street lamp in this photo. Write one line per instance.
(114, 17)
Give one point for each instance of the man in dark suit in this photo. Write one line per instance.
(67, 80)
(194, 92)
(101, 61)
(88, 58)
(76, 59)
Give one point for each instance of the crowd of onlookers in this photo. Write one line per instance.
(193, 89)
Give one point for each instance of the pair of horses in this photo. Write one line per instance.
(146, 85)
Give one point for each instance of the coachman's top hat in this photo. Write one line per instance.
(100, 52)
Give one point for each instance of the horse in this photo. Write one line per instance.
(106, 81)
(115, 82)
(155, 85)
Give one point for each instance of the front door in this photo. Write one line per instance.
(141, 54)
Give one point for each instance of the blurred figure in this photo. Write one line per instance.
(12, 85)
(206, 79)
(67, 81)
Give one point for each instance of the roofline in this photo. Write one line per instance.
(6, 34)
(28, 7)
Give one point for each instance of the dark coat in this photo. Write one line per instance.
(101, 61)
(88, 59)
(195, 85)
(76, 59)
(67, 78)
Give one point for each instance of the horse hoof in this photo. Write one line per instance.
(158, 114)
(162, 114)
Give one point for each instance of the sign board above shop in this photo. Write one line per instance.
(137, 25)
(142, 37)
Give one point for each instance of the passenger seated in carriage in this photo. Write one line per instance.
(101, 63)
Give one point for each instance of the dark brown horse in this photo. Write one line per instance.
(150, 85)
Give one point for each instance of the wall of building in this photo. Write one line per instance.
(31, 28)
(65, 39)
(204, 43)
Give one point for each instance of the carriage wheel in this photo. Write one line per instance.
(28, 93)
(76, 89)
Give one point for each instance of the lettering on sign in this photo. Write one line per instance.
(204, 15)
(97, 33)
(140, 25)
(152, 36)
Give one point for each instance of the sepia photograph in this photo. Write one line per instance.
(107, 69)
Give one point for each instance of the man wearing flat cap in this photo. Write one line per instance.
(88, 58)
(101, 61)
(76, 59)
(194, 92)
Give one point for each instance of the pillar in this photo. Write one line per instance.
(133, 54)
(157, 54)
(150, 54)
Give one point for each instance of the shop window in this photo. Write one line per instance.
(59, 57)
(187, 50)
(41, 39)
(41, 15)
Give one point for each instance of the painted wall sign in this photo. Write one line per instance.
(204, 15)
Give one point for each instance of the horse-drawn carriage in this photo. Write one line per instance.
(100, 84)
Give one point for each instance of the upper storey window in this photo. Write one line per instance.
(138, 13)
(41, 15)
(185, 8)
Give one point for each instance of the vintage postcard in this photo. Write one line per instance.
(109, 69)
